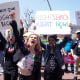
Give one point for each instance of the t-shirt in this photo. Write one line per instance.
(51, 65)
(27, 62)
(68, 46)
(9, 63)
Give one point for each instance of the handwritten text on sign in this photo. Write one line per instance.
(5, 10)
(52, 22)
(4, 19)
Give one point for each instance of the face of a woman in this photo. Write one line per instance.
(51, 42)
(11, 40)
(33, 40)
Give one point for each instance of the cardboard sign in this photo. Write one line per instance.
(77, 14)
(52, 22)
(5, 10)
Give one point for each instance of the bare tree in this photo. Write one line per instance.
(28, 18)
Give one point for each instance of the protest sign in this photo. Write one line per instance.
(5, 10)
(52, 22)
(68, 59)
(77, 14)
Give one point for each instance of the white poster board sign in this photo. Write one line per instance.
(5, 10)
(52, 22)
(77, 14)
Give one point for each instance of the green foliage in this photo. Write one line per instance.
(45, 42)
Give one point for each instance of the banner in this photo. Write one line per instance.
(5, 10)
(52, 22)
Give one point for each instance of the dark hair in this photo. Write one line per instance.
(53, 36)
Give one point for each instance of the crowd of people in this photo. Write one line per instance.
(23, 58)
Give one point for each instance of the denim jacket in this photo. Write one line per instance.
(56, 50)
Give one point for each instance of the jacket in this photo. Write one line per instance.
(56, 50)
(36, 73)
(75, 47)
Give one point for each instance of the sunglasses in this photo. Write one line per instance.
(78, 33)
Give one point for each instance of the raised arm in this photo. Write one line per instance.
(21, 30)
(42, 44)
(16, 33)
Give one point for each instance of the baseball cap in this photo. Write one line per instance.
(77, 31)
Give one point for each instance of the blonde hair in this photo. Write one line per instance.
(37, 47)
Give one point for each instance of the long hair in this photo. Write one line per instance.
(37, 46)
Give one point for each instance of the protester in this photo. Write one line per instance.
(53, 56)
(67, 52)
(10, 59)
(75, 49)
(1, 62)
(10, 67)
(30, 64)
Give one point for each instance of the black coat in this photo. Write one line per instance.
(36, 73)
(4, 45)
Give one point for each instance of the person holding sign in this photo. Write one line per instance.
(30, 64)
(53, 56)
(11, 49)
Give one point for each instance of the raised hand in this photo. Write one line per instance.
(34, 27)
(21, 22)
(70, 24)
(12, 15)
